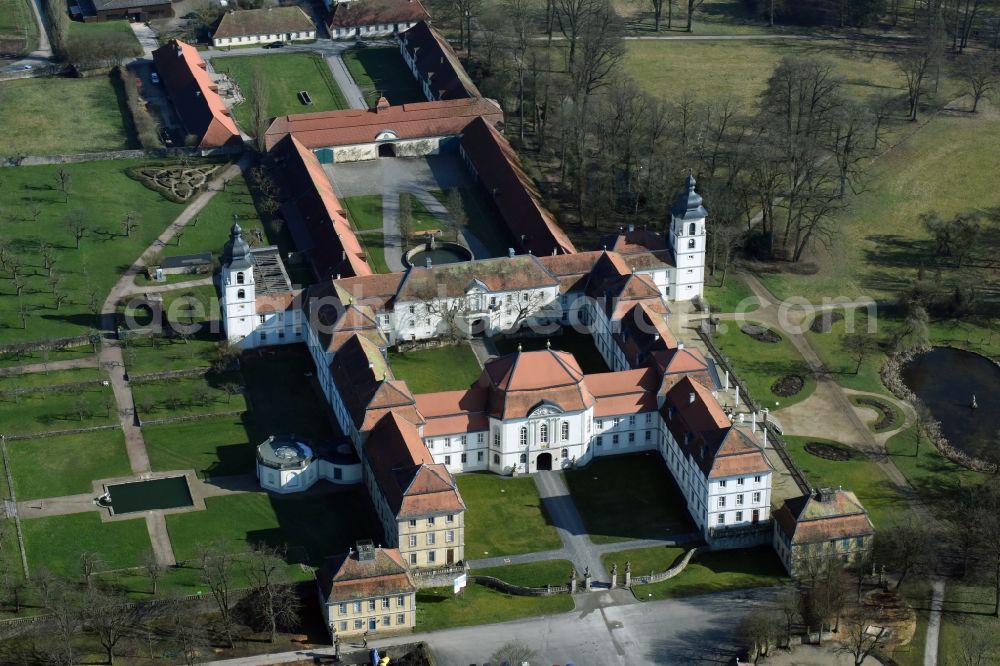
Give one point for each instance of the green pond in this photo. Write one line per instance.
(168, 493)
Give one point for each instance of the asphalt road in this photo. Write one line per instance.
(696, 630)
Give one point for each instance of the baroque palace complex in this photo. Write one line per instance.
(528, 411)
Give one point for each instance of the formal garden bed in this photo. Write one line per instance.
(178, 183)
(788, 386)
(830, 451)
(889, 417)
(760, 333)
(824, 321)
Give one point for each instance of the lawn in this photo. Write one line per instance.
(450, 368)
(628, 497)
(284, 75)
(385, 71)
(968, 612)
(533, 574)
(844, 365)
(713, 17)
(718, 571)
(644, 560)
(18, 28)
(36, 380)
(504, 517)
(15, 358)
(37, 120)
(105, 30)
(580, 345)
(423, 219)
(306, 525)
(670, 69)
(100, 193)
(734, 296)
(364, 212)
(374, 244)
(208, 231)
(947, 166)
(932, 475)
(66, 465)
(482, 220)
(57, 541)
(885, 502)
(57, 410)
(148, 355)
(761, 364)
(212, 447)
(187, 396)
(438, 608)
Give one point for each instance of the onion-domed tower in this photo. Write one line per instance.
(239, 297)
(687, 240)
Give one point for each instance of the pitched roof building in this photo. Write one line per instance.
(195, 96)
(252, 26)
(825, 524)
(372, 18)
(435, 65)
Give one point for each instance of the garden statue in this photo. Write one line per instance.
(628, 566)
(614, 568)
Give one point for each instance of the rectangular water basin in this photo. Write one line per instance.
(169, 493)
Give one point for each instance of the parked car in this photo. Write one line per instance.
(155, 78)
(165, 137)
(26, 67)
(275, 45)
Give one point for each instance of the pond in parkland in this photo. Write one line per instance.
(168, 493)
(945, 380)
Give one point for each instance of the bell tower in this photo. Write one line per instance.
(687, 240)
(239, 297)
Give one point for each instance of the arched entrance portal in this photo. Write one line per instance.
(543, 462)
(386, 150)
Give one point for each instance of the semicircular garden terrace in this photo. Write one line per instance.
(767, 362)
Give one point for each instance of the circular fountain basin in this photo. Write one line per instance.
(441, 254)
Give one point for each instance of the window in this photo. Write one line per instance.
(756, 479)
(447, 460)
(480, 437)
(413, 558)
(564, 431)
(739, 500)
(739, 516)
(463, 457)
(464, 440)
(649, 417)
(413, 541)
(430, 538)
(649, 435)
(343, 608)
(692, 229)
(263, 335)
(357, 624)
(524, 458)
(385, 620)
(631, 437)
(413, 309)
(431, 556)
(496, 458)
(479, 456)
(450, 518)
(721, 519)
(600, 441)
(239, 278)
(449, 536)
(543, 433)
(496, 439)
(413, 523)
(600, 424)
(241, 293)
(631, 421)
(739, 481)
(357, 606)
(615, 421)
(430, 521)
(524, 436)
(401, 619)
(371, 604)
(722, 484)
(385, 602)
(756, 497)
(722, 502)
(343, 625)
(401, 601)
(691, 244)
(263, 318)
(564, 454)
(614, 440)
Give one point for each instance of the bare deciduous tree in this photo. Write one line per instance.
(513, 652)
(981, 76)
(218, 566)
(274, 600)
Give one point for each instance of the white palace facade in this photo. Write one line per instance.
(529, 410)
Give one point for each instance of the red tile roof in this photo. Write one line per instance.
(195, 96)
(349, 127)
(511, 189)
(345, 577)
(321, 228)
(522, 381)
(375, 12)
(627, 392)
(828, 515)
(437, 63)
(277, 302)
(454, 412)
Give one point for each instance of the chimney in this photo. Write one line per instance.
(371, 366)
(510, 252)
(680, 346)
(656, 338)
(691, 397)
(338, 276)
(382, 104)
(631, 227)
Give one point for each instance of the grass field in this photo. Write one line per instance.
(209, 230)
(66, 465)
(628, 497)
(644, 560)
(450, 368)
(719, 571)
(38, 121)
(885, 502)
(18, 28)
(761, 364)
(16, 358)
(438, 608)
(57, 410)
(374, 244)
(934, 477)
(734, 296)
(105, 30)
(144, 355)
(504, 517)
(212, 447)
(57, 541)
(364, 212)
(305, 525)
(284, 75)
(534, 574)
(383, 70)
(187, 396)
(100, 193)
(843, 365)
(36, 380)
(483, 222)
